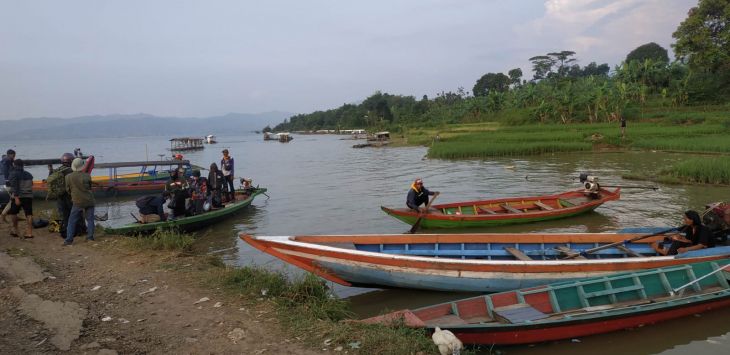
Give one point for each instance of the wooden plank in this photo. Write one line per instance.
(510, 208)
(565, 250)
(518, 254)
(486, 210)
(543, 206)
(518, 313)
(614, 291)
(628, 251)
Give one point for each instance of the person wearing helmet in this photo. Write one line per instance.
(63, 199)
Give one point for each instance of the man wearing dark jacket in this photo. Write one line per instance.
(418, 195)
(21, 183)
(151, 208)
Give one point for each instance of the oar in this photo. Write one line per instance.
(611, 245)
(420, 217)
(674, 291)
(135, 218)
(632, 187)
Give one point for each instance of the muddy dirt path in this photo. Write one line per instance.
(100, 298)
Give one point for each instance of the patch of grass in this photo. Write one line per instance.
(707, 143)
(308, 309)
(709, 170)
(169, 240)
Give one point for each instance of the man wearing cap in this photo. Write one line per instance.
(418, 195)
(227, 169)
(78, 185)
(63, 201)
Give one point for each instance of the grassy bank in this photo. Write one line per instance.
(473, 141)
(699, 170)
(305, 306)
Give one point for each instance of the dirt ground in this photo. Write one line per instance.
(100, 298)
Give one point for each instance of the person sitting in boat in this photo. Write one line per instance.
(198, 193)
(151, 208)
(418, 195)
(697, 236)
(178, 189)
(215, 185)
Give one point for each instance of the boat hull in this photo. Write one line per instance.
(539, 333)
(521, 210)
(191, 223)
(352, 267)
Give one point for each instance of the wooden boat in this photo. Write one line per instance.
(513, 210)
(577, 308)
(243, 199)
(151, 179)
(468, 262)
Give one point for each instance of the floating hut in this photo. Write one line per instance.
(186, 143)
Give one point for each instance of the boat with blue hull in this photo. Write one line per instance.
(489, 262)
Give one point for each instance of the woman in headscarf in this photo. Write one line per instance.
(697, 236)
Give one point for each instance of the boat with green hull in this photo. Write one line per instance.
(579, 308)
(187, 224)
(512, 210)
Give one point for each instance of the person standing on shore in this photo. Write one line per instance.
(623, 127)
(6, 166)
(56, 185)
(227, 169)
(78, 185)
(21, 183)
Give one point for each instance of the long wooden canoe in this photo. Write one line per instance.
(111, 189)
(487, 262)
(513, 210)
(243, 200)
(578, 308)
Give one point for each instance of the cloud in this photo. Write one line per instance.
(601, 30)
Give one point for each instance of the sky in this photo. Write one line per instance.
(204, 58)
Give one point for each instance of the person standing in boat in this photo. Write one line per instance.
(227, 169)
(418, 195)
(198, 192)
(178, 189)
(215, 185)
(697, 236)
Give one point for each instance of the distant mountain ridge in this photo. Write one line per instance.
(137, 125)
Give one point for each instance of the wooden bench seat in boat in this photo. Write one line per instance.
(628, 251)
(518, 313)
(518, 254)
(510, 208)
(543, 206)
(485, 210)
(569, 252)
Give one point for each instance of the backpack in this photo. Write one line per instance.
(143, 201)
(56, 183)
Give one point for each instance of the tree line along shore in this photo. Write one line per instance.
(680, 105)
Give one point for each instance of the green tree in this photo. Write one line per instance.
(650, 51)
(542, 66)
(491, 82)
(703, 38)
(515, 76)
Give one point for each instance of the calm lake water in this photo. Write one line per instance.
(319, 184)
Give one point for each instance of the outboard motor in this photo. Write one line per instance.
(590, 184)
(717, 219)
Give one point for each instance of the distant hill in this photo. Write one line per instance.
(137, 125)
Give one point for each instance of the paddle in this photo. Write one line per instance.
(674, 291)
(420, 217)
(611, 245)
(135, 218)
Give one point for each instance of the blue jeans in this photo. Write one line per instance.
(73, 219)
